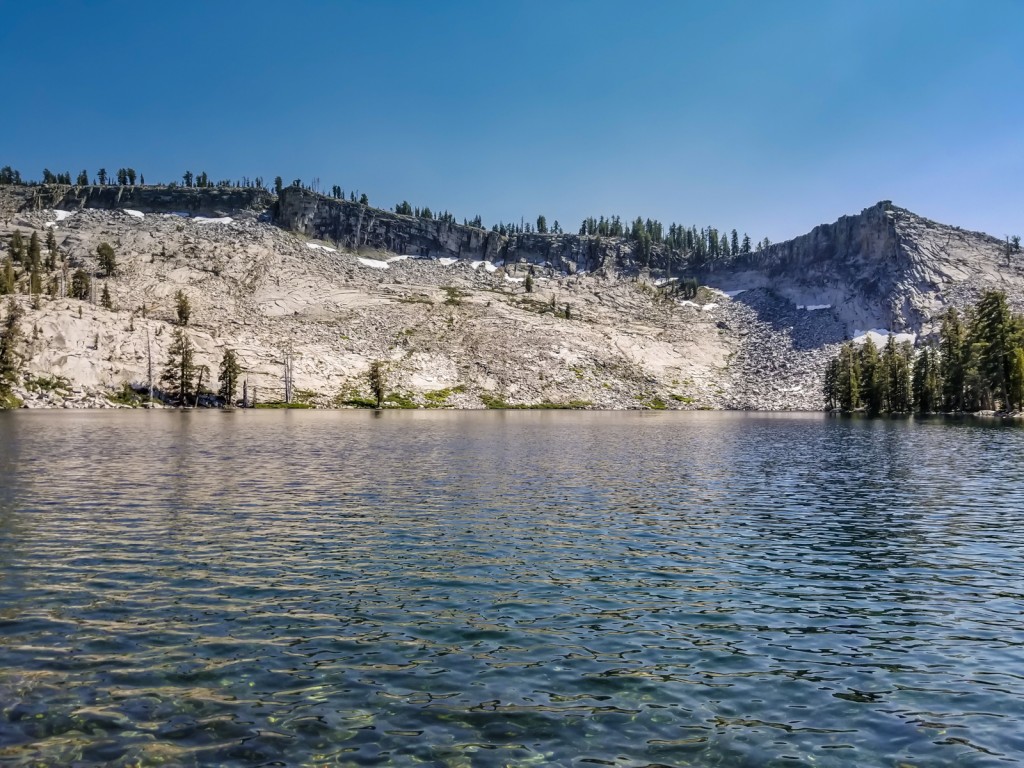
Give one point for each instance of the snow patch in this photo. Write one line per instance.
(733, 294)
(372, 263)
(318, 247)
(208, 220)
(709, 307)
(134, 214)
(393, 259)
(880, 336)
(61, 215)
(447, 261)
(688, 303)
(486, 265)
(514, 279)
(816, 307)
(663, 281)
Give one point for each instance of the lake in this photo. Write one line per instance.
(509, 589)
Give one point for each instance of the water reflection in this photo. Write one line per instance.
(508, 589)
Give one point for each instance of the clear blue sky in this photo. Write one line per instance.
(766, 116)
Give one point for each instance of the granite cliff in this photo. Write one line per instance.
(335, 285)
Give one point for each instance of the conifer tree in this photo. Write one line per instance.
(34, 251)
(830, 387)
(105, 300)
(17, 246)
(182, 307)
(230, 370)
(10, 360)
(108, 261)
(927, 381)
(849, 378)
(953, 363)
(1016, 394)
(7, 276)
(81, 285)
(377, 382)
(180, 370)
(993, 335)
(872, 381)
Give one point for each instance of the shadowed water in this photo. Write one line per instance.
(509, 589)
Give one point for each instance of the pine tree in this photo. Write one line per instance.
(542, 225)
(926, 386)
(10, 360)
(992, 342)
(81, 285)
(872, 380)
(17, 246)
(83, 179)
(849, 378)
(108, 262)
(179, 372)
(377, 382)
(953, 363)
(101, 174)
(830, 387)
(1016, 393)
(230, 370)
(105, 300)
(7, 276)
(34, 251)
(182, 307)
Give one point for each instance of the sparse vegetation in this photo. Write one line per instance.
(496, 402)
(454, 296)
(438, 398)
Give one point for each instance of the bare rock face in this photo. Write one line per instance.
(352, 225)
(882, 268)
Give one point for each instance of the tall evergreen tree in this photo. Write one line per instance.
(926, 381)
(180, 371)
(230, 370)
(872, 380)
(81, 285)
(993, 334)
(182, 307)
(1016, 394)
(849, 378)
(108, 261)
(953, 363)
(10, 359)
(7, 284)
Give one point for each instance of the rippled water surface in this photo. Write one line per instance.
(509, 589)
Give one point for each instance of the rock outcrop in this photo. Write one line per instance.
(882, 268)
(213, 202)
(352, 225)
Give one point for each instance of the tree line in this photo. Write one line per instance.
(976, 363)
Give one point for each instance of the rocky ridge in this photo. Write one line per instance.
(446, 306)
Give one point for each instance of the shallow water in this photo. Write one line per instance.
(507, 589)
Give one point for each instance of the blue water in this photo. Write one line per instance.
(509, 589)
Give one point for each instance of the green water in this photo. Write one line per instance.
(509, 589)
